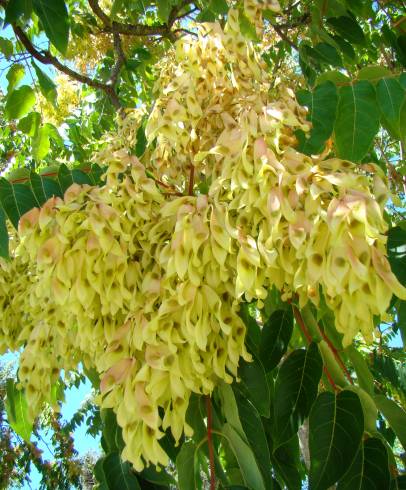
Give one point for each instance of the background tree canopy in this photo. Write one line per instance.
(196, 204)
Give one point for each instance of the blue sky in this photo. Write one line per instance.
(74, 397)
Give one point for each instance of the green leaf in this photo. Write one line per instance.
(395, 415)
(17, 411)
(4, 252)
(230, 408)
(322, 104)
(44, 188)
(163, 9)
(245, 457)
(255, 433)
(253, 331)
(53, 15)
(19, 103)
(6, 47)
(357, 120)
(287, 465)
(334, 76)
(185, 464)
(47, 86)
(373, 73)
(396, 247)
(247, 28)
(295, 390)
(16, 9)
(327, 54)
(254, 385)
(161, 478)
(41, 144)
(390, 95)
(30, 123)
(53, 134)
(369, 470)
(16, 200)
(65, 178)
(346, 48)
(402, 79)
(117, 6)
(14, 75)
(219, 7)
(206, 15)
(110, 428)
(275, 337)
(364, 375)
(335, 430)
(118, 474)
(348, 28)
(398, 483)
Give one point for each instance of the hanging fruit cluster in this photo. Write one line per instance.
(142, 278)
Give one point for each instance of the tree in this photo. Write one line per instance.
(203, 213)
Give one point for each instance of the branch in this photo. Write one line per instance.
(47, 58)
(118, 48)
(304, 329)
(284, 36)
(141, 30)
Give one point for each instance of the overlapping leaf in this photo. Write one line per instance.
(295, 390)
(357, 120)
(369, 470)
(336, 427)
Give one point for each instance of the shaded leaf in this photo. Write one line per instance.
(16, 9)
(185, 464)
(160, 478)
(53, 15)
(47, 86)
(295, 390)
(16, 200)
(368, 470)
(254, 385)
(253, 338)
(322, 104)
(118, 474)
(357, 120)
(348, 28)
(4, 251)
(395, 415)
(44, 188)
(396, 247)
(390, 95)
(335, 430)
(275, 337)
(286, 463)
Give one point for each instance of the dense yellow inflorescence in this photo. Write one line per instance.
(66, 102)
(143, 284)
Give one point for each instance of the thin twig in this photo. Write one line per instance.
(303, 328)
(191, 180)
